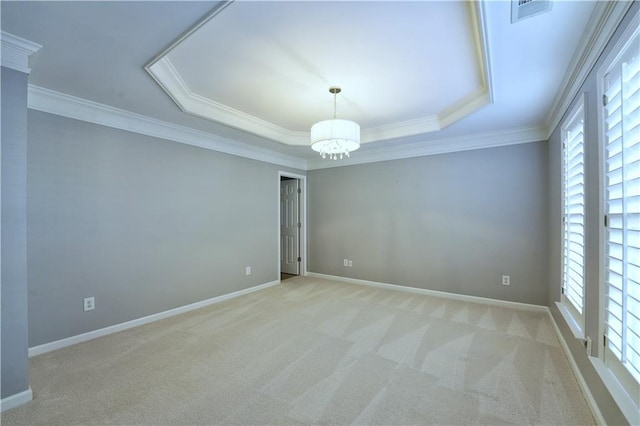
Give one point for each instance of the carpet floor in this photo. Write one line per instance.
(311, 351)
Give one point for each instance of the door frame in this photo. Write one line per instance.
(302, 214)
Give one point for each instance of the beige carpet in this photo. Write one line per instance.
(311, 351)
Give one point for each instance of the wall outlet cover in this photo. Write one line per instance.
(89, 303)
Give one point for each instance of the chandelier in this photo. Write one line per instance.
(335, 138)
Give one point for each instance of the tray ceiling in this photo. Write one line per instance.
(406, 68)
(264, 71)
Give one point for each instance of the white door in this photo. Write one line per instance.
(289, 229)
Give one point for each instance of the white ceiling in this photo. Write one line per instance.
(271, 63)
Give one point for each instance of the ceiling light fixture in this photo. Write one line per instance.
(335, 138)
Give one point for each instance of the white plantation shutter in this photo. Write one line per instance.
(574, 205)
(622, 208)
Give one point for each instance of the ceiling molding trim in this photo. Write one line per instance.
(480, 98)
(464, 107)
(480, 28)
(15, 52)
(483, 95)
(206, 18)
(207, 108)
(437, 146)
(602, 24)
(49, 101)
(401, 129)
(167, 76)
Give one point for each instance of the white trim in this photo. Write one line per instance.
(52, 102)
(15, 52)
(436, 146)
(469, 104)
(217, 9)
(302, 216)
(570, 319)
(598, 346)
(618, 380)
(482, 46)
(401, 129)
(578, 110)
(58, 344)
(165, 74)
(169, 79)
(591, 402)
(604, 20)
(16, 400)
(434, 293)
(617, 391)
(615, 52)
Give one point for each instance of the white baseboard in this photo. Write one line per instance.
(58, 344)
(591, 402)
(435, 293)
(15, 400)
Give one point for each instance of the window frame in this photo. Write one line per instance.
(620, 382)
(577, 111)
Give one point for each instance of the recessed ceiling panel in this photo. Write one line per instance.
(404, 67)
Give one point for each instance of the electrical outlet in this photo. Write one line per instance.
(506, 280)
(350, 263)
(346, 262)
(247, 270)
(89, 303)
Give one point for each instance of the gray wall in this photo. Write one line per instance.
(142, 224)
(15, 376)
(452, 222)
(593, 159)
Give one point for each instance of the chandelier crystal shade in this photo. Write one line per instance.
(335, 139)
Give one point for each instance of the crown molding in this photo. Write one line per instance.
(437, 146)
(480, 28)
(222, 5)
(16, 51)
(52, 102)
(397, 130)
(603, 22)
(167, 76)
(465, 106)
(169, 79)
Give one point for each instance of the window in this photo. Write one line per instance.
(573, 213)
(621, 115)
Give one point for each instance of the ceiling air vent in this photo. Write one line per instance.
(523, 9)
